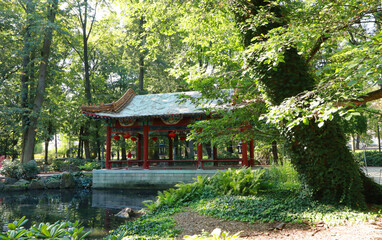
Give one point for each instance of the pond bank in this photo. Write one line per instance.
(94, 209)
(63, 180)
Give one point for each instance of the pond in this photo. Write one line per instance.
(94, 209)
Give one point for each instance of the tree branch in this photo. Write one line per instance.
(371, 96)
(326, 34)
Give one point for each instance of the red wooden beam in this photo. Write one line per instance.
(108, 147)
(244, 155)
(170, 149)
(199, 154)
(145, 147)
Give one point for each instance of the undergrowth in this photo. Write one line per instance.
(262, 195)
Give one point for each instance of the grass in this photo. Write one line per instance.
(267, 195)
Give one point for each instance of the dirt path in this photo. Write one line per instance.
(192, 223)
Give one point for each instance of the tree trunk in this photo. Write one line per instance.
(123, 149)
(319, 154)
(352, 143)
(357, 142)
(379, 138)
(55, 145)
(86, 142)
(141, 56)
(275, 153)
(85, 38)
(28, 150)
(46, 151)
(26, 72)
(80, 144)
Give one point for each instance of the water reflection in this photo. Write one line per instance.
(94, 209)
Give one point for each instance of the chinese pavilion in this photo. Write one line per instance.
(158, 124)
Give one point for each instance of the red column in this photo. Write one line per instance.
(170, 149)
(108, 147)
(244, 158)
(145, 147)
(251, 154)
(200, 155)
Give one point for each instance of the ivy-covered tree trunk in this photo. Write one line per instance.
(319, 154)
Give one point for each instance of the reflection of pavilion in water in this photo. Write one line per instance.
(157, 125)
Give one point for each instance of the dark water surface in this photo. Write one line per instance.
(94, 209)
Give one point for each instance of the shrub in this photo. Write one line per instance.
(57, 163)
(373, 158)
(15, 169)
(283, 177)
(90, 166)
(242, 182)
(12, 169)
(62, 164)
(30, 170)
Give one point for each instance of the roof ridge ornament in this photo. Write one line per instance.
(116, 106)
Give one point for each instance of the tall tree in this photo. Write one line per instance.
(28, 146)
(298, 61)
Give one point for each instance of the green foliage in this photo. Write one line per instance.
(216, 234)
(59, 164)
(279, 206)
(232, 182)
(152, 226)
(58, 230)
(11, 169)
(30, 170)
(82, 180)
(90, 166)
(53, 178)
(373, 158)
(283, 177)
(15, 169)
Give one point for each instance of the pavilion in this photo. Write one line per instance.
(158, 125)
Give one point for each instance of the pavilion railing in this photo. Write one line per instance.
(178, 164)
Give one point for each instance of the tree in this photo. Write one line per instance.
(296, 58)
(317, 148)
(29, 140)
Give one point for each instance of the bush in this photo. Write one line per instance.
(12, 169)
(60, 164)
(17, 170)
(241, 182)
(30, 170)
(90, 166)
(373, 158)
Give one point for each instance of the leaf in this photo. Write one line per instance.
(11, 226)
(305, 121)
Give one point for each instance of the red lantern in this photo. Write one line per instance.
(155, 139)
(182, 139)
(116, 137)
(133, 139)
(127, 136)
(172, 135)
